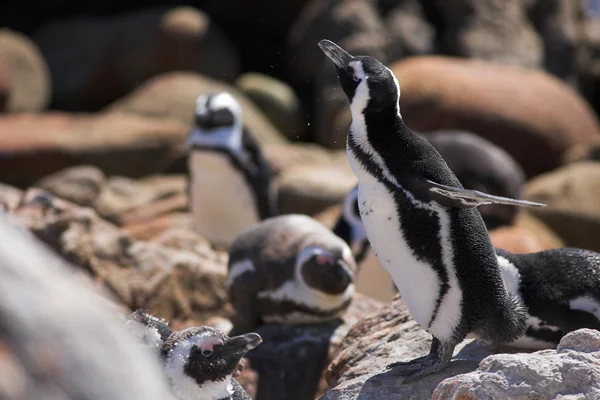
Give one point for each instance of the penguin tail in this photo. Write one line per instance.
(509, 323)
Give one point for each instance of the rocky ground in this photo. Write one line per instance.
(96, 102)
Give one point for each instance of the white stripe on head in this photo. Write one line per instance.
(227, 137)
(361, 94)
(587, 304)
(183, 385)
(238, 268)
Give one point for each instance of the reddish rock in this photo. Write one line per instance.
(499, 103)
(527, 235)
(146, 230)
(34, 146)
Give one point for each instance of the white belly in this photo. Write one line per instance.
(221, 203)
(416, 280)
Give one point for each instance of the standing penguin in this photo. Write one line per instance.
(230, 181)
(423, 225)
(200, 362)
(289, 269)
(561, 289)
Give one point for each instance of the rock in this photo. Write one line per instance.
(409, 30)
(277, 101)
(37, 145)
(284, 156)
(387, 336)
(294, 356)
(178, 284)
(80, 185)
(571, 371)
(557, 22)
(95, 60)
(437, 93)
(174, 95)
(58, 338)
(486, 29)
(527, 235)
(24, 76)
(571, 211)
(146, 230)
(309, 189)
(10, 197)
(126, 200)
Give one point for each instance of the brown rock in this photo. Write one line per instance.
(96, 60)
(80, 185)
(146, 230)
(179, 284)
(24, 78)
(489, 30)
(129, 145)
(174, 96)
(409, 30)
(499, 103)
(284, 156)
(309, 189)
(527, 235)
(58, 337)
(571, 212)
(387, 336)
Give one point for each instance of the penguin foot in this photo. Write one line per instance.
(438, 358)
(419, 360)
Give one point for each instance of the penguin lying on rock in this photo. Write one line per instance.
(200, 362)
(289, 269)
(423, 225)
(230, 180)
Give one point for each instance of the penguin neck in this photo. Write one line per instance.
(386, 122)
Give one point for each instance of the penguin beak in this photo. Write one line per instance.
(240, 345)
(339, 56)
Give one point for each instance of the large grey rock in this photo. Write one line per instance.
(58, 338)
(572, 371)
(81, 184)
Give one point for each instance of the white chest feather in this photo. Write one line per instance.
(417, 281)
(222, 203)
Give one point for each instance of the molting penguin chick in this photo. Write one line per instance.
(423, 225)
(561, 289)
(230, 180)
(200, 362)
(289, 269)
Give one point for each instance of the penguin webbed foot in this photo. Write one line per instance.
(438, 358)
(453, 197)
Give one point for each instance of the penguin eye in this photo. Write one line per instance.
(207, 353)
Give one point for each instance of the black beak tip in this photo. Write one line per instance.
(253, 340)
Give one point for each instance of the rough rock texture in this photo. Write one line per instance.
(570, 193)
(409, 30)
(389, 335)
(499, 103)
(80, 185)
(295, 356)
(491, 30)
(178, 282)
(278, 102)
(58, 337)
(145, 230)
(95, 60)
(174, 95)
(131, 145)
(572, 371)
(527, 235)
(24, 76)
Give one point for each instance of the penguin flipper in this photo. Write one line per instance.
(453, 197)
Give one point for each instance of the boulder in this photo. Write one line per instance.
(10, 197)
(80, 185)
(527, 235)
(277, 101)
(181, 285)
(284, 156)
(131, 145)
(25, 84)
(572, 371)
(571, 212)
(173, 95)
(500, 103)
(95, 60)
(486, 29)
(146, 230)
(409, 30)
(389, 335)
(58, 337)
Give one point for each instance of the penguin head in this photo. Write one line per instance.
(200, 361)
(150, 331)
(218, 121)
(326, 268)
(369, 85)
